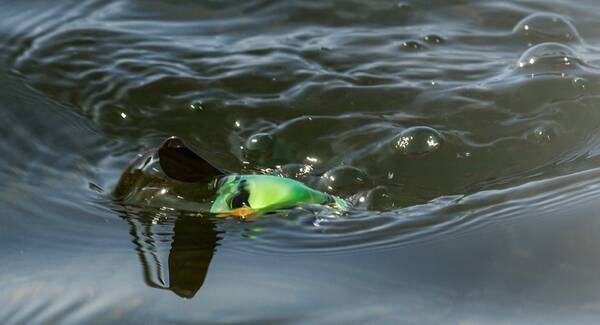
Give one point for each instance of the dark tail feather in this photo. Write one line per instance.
(180, 163)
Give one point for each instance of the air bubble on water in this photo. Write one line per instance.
(580, 83)
(418, 140)
(548, 57)
(379, 199)
(433, 39)
(196, 105)
(412, 45)
(463, 155)
(312, 160)
(543, 134)
(546, 27)
(259, 145)
(343, 180)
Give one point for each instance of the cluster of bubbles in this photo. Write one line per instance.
(550, 38)
(554, 47)
(266, 149)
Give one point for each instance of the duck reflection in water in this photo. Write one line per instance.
(175, 251)
(175, 248)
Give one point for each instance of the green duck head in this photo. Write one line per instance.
(258, 193)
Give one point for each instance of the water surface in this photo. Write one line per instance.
(466, 132)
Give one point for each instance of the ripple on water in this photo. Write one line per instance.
(52, 175)
(315, 231)
(328, 92)
(324, 90)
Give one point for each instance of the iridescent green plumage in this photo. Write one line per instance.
(264, 193)
(237, 195)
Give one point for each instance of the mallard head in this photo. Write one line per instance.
(244, 194)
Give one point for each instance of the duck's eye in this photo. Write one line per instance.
(240, 199)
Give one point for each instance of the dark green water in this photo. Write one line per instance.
(472, 125)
